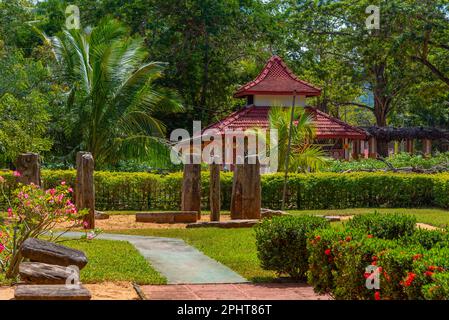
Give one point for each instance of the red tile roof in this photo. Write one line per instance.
(326, 126)
(277, 79)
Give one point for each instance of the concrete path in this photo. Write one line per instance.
(269, 291)
(174, 259)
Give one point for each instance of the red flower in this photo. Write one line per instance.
(348, 238)
(370, 236)
(327, 252)
(374, 258)
(417, 257)
(374, 263)
(428, 273)
(318, 238)
(367, 275)
(2, 247)
(431, 268)
(410, 277)
(377, 295)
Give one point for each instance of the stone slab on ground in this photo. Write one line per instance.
(51, 253)
(268, 291)
(175, 260)
(238, 223)
(50, 292)
(167, 217)
(42, 273)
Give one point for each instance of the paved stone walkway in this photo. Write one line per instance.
(269, 291)
(174, 259)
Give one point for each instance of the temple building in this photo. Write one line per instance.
(276, 86)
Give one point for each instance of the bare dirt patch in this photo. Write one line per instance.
(112, 291)
(6, 293)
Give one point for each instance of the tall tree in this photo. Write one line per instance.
(112, 92)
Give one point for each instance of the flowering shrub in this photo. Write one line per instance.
(282, 243)
(33, 212)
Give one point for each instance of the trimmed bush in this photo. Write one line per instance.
(384, 226)
(146, 191)
(282, 243)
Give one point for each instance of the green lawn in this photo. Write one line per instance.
(234, 248)
(114, 261)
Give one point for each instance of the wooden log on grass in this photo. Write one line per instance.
(51, 253)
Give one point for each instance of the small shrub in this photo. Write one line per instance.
(384, 226)
(438, 289)
(282, 243)
(428, 239)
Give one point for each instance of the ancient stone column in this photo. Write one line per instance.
(427, 147)
(411, 146)
(28, 166)
(191, 189)
(246, 192)
(372, 146)
(214, 192)
(85, 188)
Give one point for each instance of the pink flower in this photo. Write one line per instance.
(70, 190)
(16, 174)
(90, 236)
(10, 212)
(86, 224)
(62, 183)
(2, 247)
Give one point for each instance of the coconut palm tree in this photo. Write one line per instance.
(304, 155)
(112, 96)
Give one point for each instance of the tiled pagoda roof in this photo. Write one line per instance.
(252, 117)
(277, 79)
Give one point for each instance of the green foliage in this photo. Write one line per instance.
(112, 94)
(303, 155)
(282, 243)
(384, 226)
(399, 160)
(146, 191)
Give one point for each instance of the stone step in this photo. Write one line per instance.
(240, 223)
(42, 273)
(167, 217)
(47, 252)
(51, 292)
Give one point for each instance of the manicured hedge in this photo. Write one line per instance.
(144, 191)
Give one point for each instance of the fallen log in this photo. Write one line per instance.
(51, 292)
(47, 252)
(42, 273)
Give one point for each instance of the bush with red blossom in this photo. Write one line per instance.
(33, 212)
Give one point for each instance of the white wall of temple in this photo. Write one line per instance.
(278, 101)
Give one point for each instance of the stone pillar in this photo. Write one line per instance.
(346, 148)
(411, 146)
(85, 187)
(191, 189)
(372, 147)
(28, 166)
(246, 192)
(214, 195)
(427, 147)
(356, 149)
